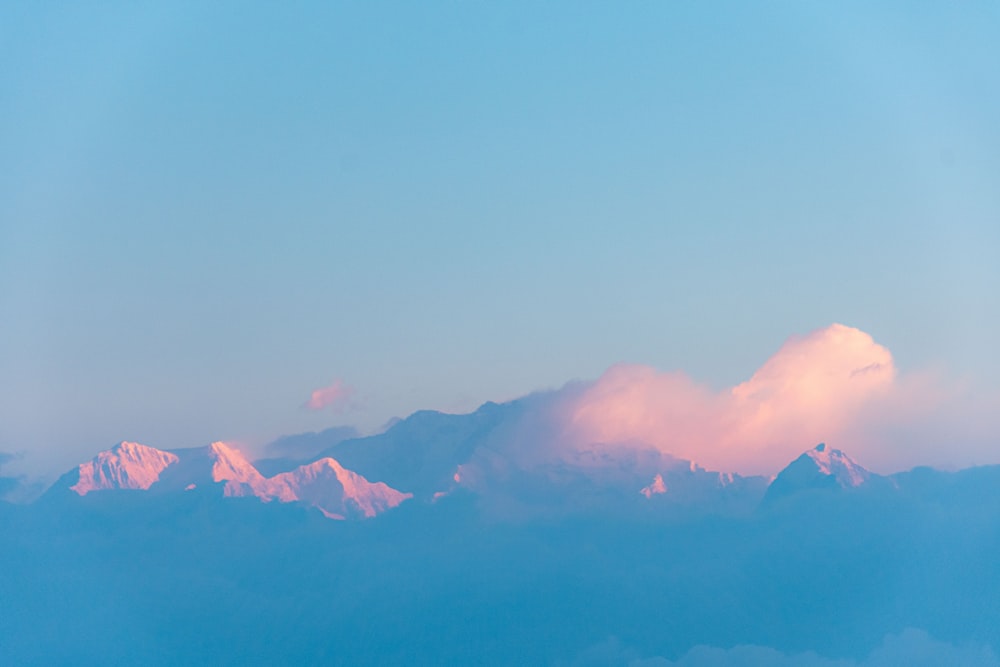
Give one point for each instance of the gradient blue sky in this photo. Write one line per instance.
(208, 212)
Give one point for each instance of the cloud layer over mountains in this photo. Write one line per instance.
(526, 531)
(835, 385)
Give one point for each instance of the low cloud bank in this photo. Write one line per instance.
(834, 385)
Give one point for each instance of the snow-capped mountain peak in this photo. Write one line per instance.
(127, 465)
(335, 490)
(835, 463)
(230, 463)
(230, 466)
(324, 484)
(820, 468)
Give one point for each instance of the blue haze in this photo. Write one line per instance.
(893, 571)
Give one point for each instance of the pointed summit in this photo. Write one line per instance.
(221, 470)
(819, 468)
(127, 465)
(337, 492)
(837, 464)
(230, 466)
(218, 465)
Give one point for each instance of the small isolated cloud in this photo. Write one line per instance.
(335, 396)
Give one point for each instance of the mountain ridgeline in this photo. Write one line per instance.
(431, 455)
(482, 539)
(219, 470)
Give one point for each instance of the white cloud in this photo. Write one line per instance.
(834, 385)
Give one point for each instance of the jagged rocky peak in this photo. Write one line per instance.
(822, 467)
(324, 484)
(840, 466)
(127, 465)
(230, 464)
(335, 490)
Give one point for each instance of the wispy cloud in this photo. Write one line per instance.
(335, 396)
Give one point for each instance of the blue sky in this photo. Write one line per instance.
(208, 212)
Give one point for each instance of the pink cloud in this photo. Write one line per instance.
(334, 397)
(833, 385)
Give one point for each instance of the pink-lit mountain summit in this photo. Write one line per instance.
(628, 481)
(324, 484)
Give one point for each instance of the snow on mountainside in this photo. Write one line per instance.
(127, 465)
(820, 468)
(419, 457)
(217, 464)
(421, 453)
(336, 491)
(627, 480)
(231, 467)
(840, 466)
(324, 484)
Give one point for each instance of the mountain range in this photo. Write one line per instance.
(431, 455)
(485, 538)
(222, 470)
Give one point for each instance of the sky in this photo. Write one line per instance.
(245, 220)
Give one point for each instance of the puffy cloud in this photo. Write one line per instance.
(833, 385)
(334, 396)
(812, 386)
